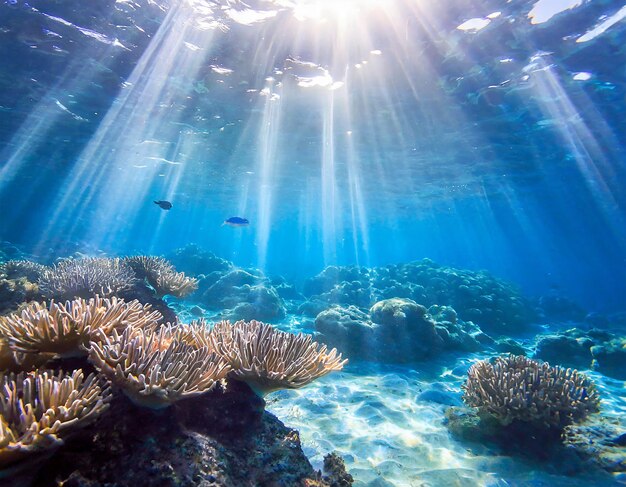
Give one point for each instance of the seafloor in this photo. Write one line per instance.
(395, 414)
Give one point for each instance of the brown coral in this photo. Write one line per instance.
(66, 329)
(516, 388)
(162, 276)
(39, 409)
(155, 369)
(268, 359)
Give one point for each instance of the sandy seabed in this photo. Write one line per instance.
(388, 424)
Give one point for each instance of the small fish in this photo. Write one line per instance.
(235, 221)
(165, 205)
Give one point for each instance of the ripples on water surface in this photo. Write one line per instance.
(481, 134)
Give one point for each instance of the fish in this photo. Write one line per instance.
(235, 221)
(165, 205)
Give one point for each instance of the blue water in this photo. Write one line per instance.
(480, 134)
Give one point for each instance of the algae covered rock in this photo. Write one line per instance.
(224, 438)
(397, 330)
(244, 295)
(598, 349)
(194, 260)
(493, 304)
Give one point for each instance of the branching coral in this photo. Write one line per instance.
(268, 359)
(66, 329)
(14, 269)
(157, 368)
(12, 361)
(84, 278)
(516, 388)
(162, 276)
(39, 409)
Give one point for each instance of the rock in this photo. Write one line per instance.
(396, 330)
(244, 295)
(610, 357)
(584, 349)
(508, 345)
(194, 260)
(218, 439)
(600, 442)
(565, 349)
(494, 305)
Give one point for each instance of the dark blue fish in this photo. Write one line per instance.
(235, 221)
(165, 205)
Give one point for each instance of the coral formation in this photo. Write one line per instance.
(597, 349)
(39, 409)
(493, 304)
(84, 278)
(162, 276)
(519, 389)
(242, 295)
(14, 269)
(603, 442)
(157, 368)
(194, 260)
(67, 329)
(398, 330)
(268, 359)
(222, 438)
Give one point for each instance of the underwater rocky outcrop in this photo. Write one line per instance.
(496, 306)
(194, 260)
(224, 438)
(226, 292)
(398, 330)
(164, 404)
(585, 349)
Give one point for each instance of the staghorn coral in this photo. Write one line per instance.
(157, 368)
(66, 329)
(162, 276)
(268, 359)
(518, 389)
(84, 278)
(14, 269)
(39, 409)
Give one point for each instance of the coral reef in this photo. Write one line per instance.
(18, 283)
(519, 389)
(84, 278)
(14, 269)
(157, 368)
(268, 359)
(194, 260)
(39, 409)
(493, 304)
(602, 442)
(597, 349)
(398, 330)
(67, 329)
(242, 295)
(223, 438)
(162, 276)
